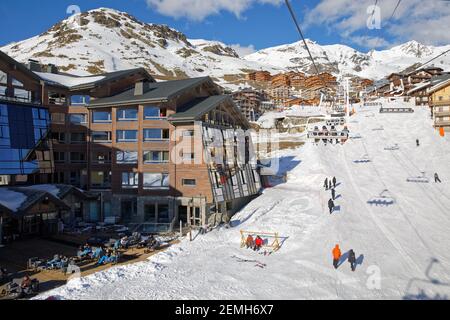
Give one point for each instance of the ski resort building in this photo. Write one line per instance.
(249, 102)
(153, 153)
(439, 101)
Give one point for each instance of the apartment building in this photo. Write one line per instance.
(249, 102)
(123, 136)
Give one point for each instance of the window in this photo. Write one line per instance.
(155, 113)
(150, 213)
(127, 157)
(59, 136)
(189, 182)
(101, 157)
(188, 133)
(101, 116)
(127, 115)
(130, 180)
(77, 157)
(156, 180)
(75, 178)
(78, 118)
(77, 137)
(80, 100)
(59, 118)
(244, 180)
(56, 98)
(127, 135)
(101, 136)
(156, 134)
(156, 156)
(163, 213)
(129, 209)
(101, 179)
(59, 157)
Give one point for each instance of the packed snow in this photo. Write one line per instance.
(401, 245)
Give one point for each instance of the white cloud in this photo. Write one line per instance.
(198, 10)
(419, 20)
(243, 51)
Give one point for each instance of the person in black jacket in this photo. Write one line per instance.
(331, 205)
(352, 259)
(436, 178)
(334, 182)
(333, 194)
(325, 184)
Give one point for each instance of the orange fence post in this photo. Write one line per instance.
(441, 132)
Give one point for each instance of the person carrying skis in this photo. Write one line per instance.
(331, 205)
(333, 194)
(334, 182)
(436, 178)
(325, 184)
(336, 256)
(352, 259)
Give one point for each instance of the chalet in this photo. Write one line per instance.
(439, 101)
(281, 80)
(260, 76)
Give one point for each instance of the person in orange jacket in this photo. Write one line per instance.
(336, 256)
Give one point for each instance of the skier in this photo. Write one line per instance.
(336, 256)
(334, 182)
(418, 142)
(330, 184)
(325, 184)
(333, 194)
(331, 205)
(352, 259)
(436, 178)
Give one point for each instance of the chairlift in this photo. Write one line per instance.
(419, 179)
(384, 199)
(364, 159)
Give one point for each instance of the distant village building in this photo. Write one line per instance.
(249, 102)
(261, 76)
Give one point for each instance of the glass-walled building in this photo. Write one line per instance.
(23, 133)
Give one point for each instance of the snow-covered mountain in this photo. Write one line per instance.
(345, 60)
(108, 40)
(104, 40)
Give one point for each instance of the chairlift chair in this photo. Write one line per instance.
(419, 179)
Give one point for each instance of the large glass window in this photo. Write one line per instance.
(101, 136)
(127, 135)
(101, 116)
(128, 114)
(156, 134)
(80, 100)
(59, 118)
(59, 136)
(130, 180)
(129, 209)
(150, 213)
(156, 180)
(78, 118)
(163, 213)
(155, 113)
(59, 157)
(124, 157)
(156, 156)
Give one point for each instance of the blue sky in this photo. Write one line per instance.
(255, 23)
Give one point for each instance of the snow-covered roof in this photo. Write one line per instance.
(68, 81)
(419, 86)
(50, 188)
(11, 200)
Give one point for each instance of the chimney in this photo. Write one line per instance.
(51, 68)
(141, 87)
(34, 65)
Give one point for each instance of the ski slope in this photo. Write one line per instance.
(402, 248)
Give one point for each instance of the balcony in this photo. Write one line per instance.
(442, 123)
(441, 113)
(445, 102)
